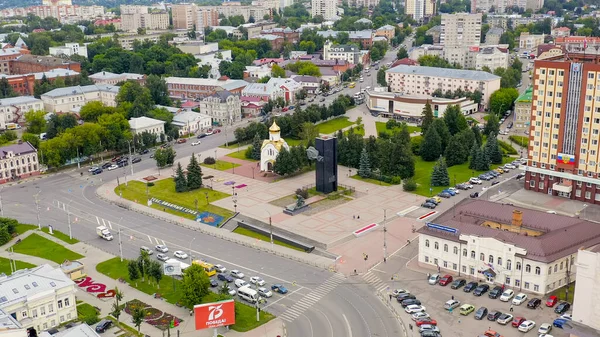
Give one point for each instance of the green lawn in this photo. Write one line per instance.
(370, 180)
(262, 237)
(60, 235)
(560, 293)
(382, 128)
(457, 173)
(5, 265)
(129, 331)
(86, 310)
(22, 228)
(222, 165)
(522, 141)
(357, 130)
(238, 155)
(36, 245)
(293, 142)
(165, 190)
(116, 269)
(333, 125)
(234, 145)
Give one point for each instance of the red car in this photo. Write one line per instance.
(181, 140)
(284, 109)
(517, 321)
(445, 280)
(551, 301)
(115, 158)
(426, 321)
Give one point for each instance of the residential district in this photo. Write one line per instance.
(300, 168)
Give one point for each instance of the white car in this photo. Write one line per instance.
(505, 319)
(475, 181)
(161, 248)
(397, 292)
(454, 189)
(413, 308)
(196, 143)
(519, 299)
(526, 326)
(419, 315)
(240, 283)
(236, 273)
(180, 255)
(93, 168)
(468, 185)
(545, 335)
(451, 304)
(220, 269)
(264, 292)
(545, 328)
(567, 316)
(257, 280)
(510, 166)
(507, 295)
(428, 327)
(113, 167)
(232, 291)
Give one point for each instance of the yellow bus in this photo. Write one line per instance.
(352, 85)
(209, 269)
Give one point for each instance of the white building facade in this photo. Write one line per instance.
(69, 49)
(72, 98)
(12, 110)
(145, 124)
(223, 107)
(42, 297)
(190, 122)
(348, 53)
(586, 307)
(271, 148)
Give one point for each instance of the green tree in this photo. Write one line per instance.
(477, 134)
(155, 271)
(143, 264)
(164, 157)
(116, 307)
(277, 72)
(256, 147)
(36, 121)
(381, 77)
(492, 150)
(502, 99)
(194, 286)
(402, 53)
(455, 120)
(194, 174)
(431, 148)
(132, 269)
(435, 61)
(138, 318)
(473, 153)
(181, 184)
(427, 119)
(33, 139)
(308, 133)
(456, 152)
(6, 90)
(284, 163)
(158, 90)
(442, 130)
(91, 111)
(364, 169)
(439, 176)
(492, 125)
(482, 161)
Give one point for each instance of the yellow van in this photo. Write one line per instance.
(466, 309)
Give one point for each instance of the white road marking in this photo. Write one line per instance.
(157, 242)
(109, 224)
(310, 325)
(97, 220)
(163, 242)
(408, 210)
(282, 298)
(327, 318)
(103, 223)
(150, 238)
(347, 325)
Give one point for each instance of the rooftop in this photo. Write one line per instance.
(106, 75)
(360, 34)
(19, 100)
(144, 122)
(526, 96)
(49, 61)
(444, 72)
(79, 90)
(184, 117)
(26, 283)
(7, 322)
(551, 236)
(386, 27)
(209, 82)
(81, 330)
(54, 73)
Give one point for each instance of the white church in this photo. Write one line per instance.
(271, 147)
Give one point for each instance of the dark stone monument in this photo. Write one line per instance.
(326, 161)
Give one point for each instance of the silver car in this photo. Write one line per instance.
(161, 248)
(162, 257)
(428, 327)
(264, 292)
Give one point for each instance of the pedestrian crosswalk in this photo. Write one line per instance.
(311, 298)
(375, 281)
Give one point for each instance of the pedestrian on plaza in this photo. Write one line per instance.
(511, 308)
(390, 297)
(354, 217)
(428, 275)
(358, 217)
(453, 297)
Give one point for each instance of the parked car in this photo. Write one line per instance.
(444, 195)
(403, 297)
(561, 323)
(481, 313)
(200, 136)
(428, 205)
(264, 292)
(147, 250)
(476, 181)
(278, 288)
(517, 321)
(474, 195)
(113, 167)
(225, 278)
(162, 257)
(214, 283)
(428, 327)
(470, 286)
(520, 176)
(504, 319)
(526, 326)
(545, 328)
(551, 301)
(257, 280)
(144, 151)
(236, 273)
(181, 140)
(466, 309)
(220, 269)
(97, 171)
(410, 301)
(449, 191)
(180, 255)
(445, 280)
(161, 248)
(458, 283)
(534, 303)
(106, 165)
(451, 304)
(93, 168)
(519, 299)
(481, 289)
(431, 200)
(103, 325)
(136, 160)
(411, 309)
(493, 315)
(427, 320)
(507, 295)
(495, 293)
(397, 292)
(419, 315)
(562, 307)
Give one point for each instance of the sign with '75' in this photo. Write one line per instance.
(214, 315)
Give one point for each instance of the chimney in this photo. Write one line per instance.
(517, 218)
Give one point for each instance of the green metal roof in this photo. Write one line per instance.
(525, 96)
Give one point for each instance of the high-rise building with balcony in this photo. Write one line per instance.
(460, 30)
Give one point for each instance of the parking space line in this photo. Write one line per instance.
(98, 221)
(109, 224)
(103, 223)
(150, 238)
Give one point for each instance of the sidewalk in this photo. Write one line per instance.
(94, 256)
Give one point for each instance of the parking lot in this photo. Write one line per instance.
(400, 271)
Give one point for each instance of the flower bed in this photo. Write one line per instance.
(133, 305)
(152, 313)
(154, 317)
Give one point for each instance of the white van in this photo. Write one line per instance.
(247, 294)
(240, 283)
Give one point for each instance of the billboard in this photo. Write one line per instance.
(172, 268)
(214, 315)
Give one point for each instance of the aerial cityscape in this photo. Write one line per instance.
(300, 168)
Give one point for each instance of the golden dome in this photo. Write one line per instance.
(274, 127)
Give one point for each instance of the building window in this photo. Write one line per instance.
(435, 261)
(555, 268)
(508, 264)
(550, 271)
(528, 268)
(472, 254)
(445, 264)
(51, 309)
(426, 243)
(24, 314)
(518, 266)
(517, 283)
(436, 245)
(561, 266)
(454, 266)
(507, 281)
(491, 259)
(34, 313)
(62, 318)
(60, 304)
(465, 252)
(426, 259)
(536, 287)
(499, 261)
(482, 256)
(538, 270)
(526, 285)
(472, 271)
(464, 269)
(66, 302)
(455, 249)
(446, 247)
(42, 310)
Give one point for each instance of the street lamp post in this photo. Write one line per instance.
(253, 172)
(270, 228)
(206, 195)
(190, 249)
(384, 236)
(1, 207)
(69, 219)
(120, 242)
(37, 209)
(196, 203)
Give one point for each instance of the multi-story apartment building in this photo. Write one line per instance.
(348, 53)
(492, 37)
(522, 115)
(135, 17)
(8, 54)
(72, 98)
(60, 12)
(423, 81)
(56, 2)
(565, 130)
(13, 109)
(325, 8)
(42, 297)
(69, 49)
(184, 15)
(191, 88)
(206, 17)
(460, 30)
(526, 250)
(420, 9)
(560, 32)
(223, 107)
(364, 3)
(530, 41)
(27, 64)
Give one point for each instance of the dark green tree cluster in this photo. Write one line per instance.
(378, 50)
(289, 162)
(144, 267)
(439, 175)
(352, 73)
(304, 68)
(8, 228)
(436, 61)
(164, 156)
(479, 160)
(476, 95)
(502, 100)
(364, 168)
(194, 286)
(421, 36)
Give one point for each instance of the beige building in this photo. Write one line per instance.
(42, 297)
(348, 53)
(184, 15)
(13, 109)
(223, 107)
(206, 17)
(492, 37)
(392, 105)
(423, 81)
(522, 115)
(586, 307)
(191, 122)
(70, 99)
(106, 77)
(146, 124)
(420, 9)
(325, 8)
(530, 41)
(134, 17)
(193, 88)
(460, 30)
(127, 41)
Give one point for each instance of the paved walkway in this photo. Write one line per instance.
(94, 256)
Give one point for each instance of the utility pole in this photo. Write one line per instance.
(384, 236)
(120, 242)
(37, 208)
(568, 279)
(130, 159)
(69, 220)
(78, 161)
(1, 207)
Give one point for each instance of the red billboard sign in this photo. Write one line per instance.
(214, 315)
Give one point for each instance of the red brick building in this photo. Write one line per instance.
(21, 84)
(6, 55)
(36, 64)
